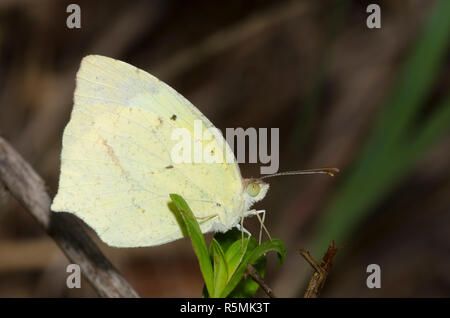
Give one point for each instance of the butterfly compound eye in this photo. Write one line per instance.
(253, 189)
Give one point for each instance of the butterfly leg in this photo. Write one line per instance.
(203, 219)
(240, 227)
(261, 227)
(261, 221)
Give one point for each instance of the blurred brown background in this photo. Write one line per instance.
(311, 68)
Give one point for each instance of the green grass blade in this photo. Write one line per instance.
(197, 239)
(418, 74)
(436, 126)
(389, 155)
(220, 268)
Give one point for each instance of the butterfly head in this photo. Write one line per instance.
(255, 190)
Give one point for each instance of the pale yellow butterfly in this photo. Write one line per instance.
(116, 168)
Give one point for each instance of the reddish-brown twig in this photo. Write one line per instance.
(317, 280)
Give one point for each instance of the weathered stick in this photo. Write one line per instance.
(253, 273)
(29, 189)
(320, 275)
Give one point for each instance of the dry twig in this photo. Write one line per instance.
(29, 189)
(253, 273)
(317, 281)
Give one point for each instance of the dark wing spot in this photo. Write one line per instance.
(174, 117)
(218, 204)
(169, 167)
(212, 151)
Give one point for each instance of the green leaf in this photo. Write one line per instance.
(247, 287)
(275, 245)
(251, 257)
(234, 255)
(228, 257)
(220, 268)
(231, 242)
(197, 240)
(228, 238)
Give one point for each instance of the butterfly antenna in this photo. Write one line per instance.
(329, 171)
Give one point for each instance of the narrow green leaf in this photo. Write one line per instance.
(231, 244)
(220, 268)
(273, 245)
(197, 240)
(251, 257)
(234, 255)
(228, 238)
